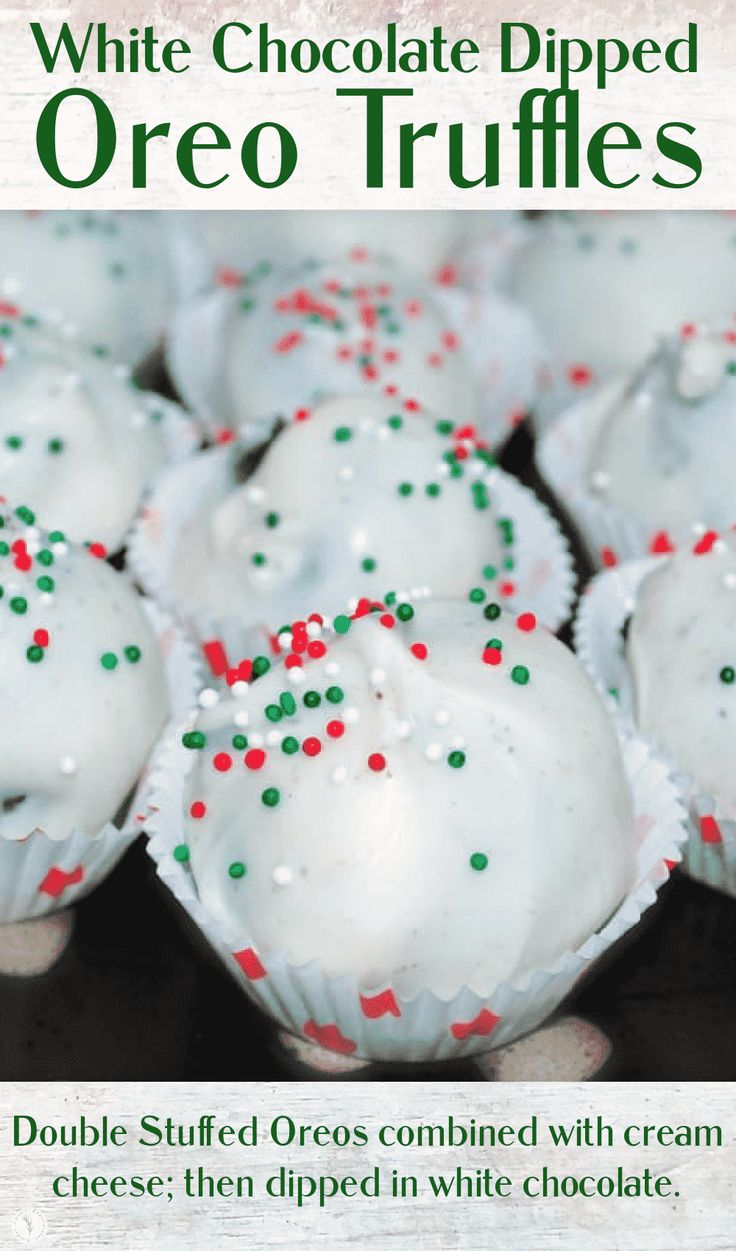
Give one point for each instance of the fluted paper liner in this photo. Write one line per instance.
(38, 874)
(710, 853)
(375, 1023)
(543, 575)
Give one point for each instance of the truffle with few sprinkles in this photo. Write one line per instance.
(337, 540)
(82, 688)
(681, 654)
(417, 812)
(78, 439)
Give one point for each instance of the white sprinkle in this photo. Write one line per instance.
(255, 740)
(729, 581)
(350, 716)
(60, 549)
(297, 676)
(458, 741)
(314, 629)
(121, 371)
(600, 479)
(699, 527)
(208, 698)
(377, 676)
(285, 640)
(332, 668)
(383, 433)
(433, 751)
(719, 548)
(441, 717)
(255, 494)
(629, 604)
(241, 718)
(403, 729)
(10, 286)
(345, 474)
(339, 774)
(273, 738)
(138, 420)
(237, 690)
(67, 766)
(282, 875)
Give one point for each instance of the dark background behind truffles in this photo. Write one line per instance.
(139, 995)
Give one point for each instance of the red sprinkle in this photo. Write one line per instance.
(216, 657)
(222, 762)
(41, 638)
(526, 621)
(335, 729)
(316, 649)
(198, 810)
(376, 762)
(97, 549)
(420, 650)
(491, 656)
(255, 758)
(608, 557)
(311, 747)
(705, 545)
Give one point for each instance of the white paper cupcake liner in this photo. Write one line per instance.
(376, 1023)
(38, 874)
(710, 854)
(543, 576)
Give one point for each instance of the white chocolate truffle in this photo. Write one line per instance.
(425, 241)
(82, 689)
(360, 499)
(98, 276)
(665, 448)
(279, 344)
(681, 652)
(446, 806)
(605, 286)
(79, 442)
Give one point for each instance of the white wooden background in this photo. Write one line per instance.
(702, 1219)
(329, 133)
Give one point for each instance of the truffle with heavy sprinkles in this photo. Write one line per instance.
(357, 498)
(82, 689)
(681, 653)
(78, 441)
(405, 795)
(268, 345)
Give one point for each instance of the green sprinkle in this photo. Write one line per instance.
(34, 654)
(368, 564)
(456, 759)
(45, 557)
(341, 624)
(45, 583)
(14, 442)
(181, 853)
(55, 445)
(271, 796)
(334, 694)
(492, 612)
(18, 605)
(109, 660)
(132, 654)
(731, 367)
(479, 861)
(477, 595)
(237, 869)
(4, 548)
(389, 599)
(26, 514)
(343, 434)
(444, 427)
(496, 644)
(490, 572)
(405, 488)
(288, 703)
(273, 712)
(194, 739)
(727, 675)
(239, 742)
(57, 536)
(290, 744)
(312, 699)
(520, 675)
(272, 520)
(395, 422)
(261, 665)
(433, 489)
(405, 612)
(258, 559)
